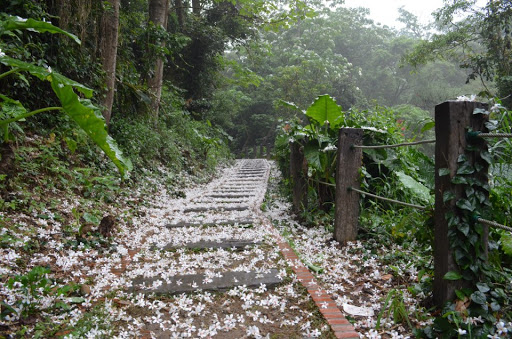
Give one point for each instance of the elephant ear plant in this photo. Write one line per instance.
(81, 110)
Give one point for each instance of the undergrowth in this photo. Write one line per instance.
(407, 174)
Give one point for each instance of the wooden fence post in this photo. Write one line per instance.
(452, 118)
(348, 174)
(299, 182)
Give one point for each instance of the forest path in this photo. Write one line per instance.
(211, 265)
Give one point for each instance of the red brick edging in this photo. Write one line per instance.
(341, 327)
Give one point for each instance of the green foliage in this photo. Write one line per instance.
(33, 286)
(10, 23)
(394, 308)
(486, 293)
(403, 174)
(86, 115)
(324, 110)
(480, 41)
(177, 142)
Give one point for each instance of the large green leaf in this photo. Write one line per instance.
(89, 118)
(312, 155)
(86, 115)
(325, 109)
(420, 190)
(14, 22)
(44, 74)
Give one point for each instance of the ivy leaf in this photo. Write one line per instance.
(465, 204)
(479, 167)
(479, 298)
(448, 195)
(452, 275)
(443, 171)
(459, 180)
(486, 156)
(465, 169)
(469, 191)
(464, 228)
(480, 196)
(460, 294)
(495, 306)
(325, 109)
(483, 287)
(462, 158)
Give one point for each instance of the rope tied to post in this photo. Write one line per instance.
(430, 141)
(477, 218)
(478, 134)
(388, 199)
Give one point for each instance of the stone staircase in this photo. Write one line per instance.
(232, 201)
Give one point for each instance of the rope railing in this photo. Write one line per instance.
(388, 199)
(430, 141)
(494, 224)
(322, 182)
(495, 135)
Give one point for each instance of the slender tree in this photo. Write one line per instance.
(180, 12)
(158, 14)
(196, 7)
(108, 52)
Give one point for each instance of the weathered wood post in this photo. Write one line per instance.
(298, 176)
(348, 174)
(453, 118)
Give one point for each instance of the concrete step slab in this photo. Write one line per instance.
(215, 209)
(244, 223)
(235, 244)
(194, 282)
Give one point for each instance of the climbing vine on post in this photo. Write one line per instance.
(460, 245)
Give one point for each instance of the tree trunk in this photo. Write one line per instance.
(158, 10)
(196, 7)
(109, 32)
(178, 5)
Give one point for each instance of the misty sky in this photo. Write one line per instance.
(386, 11)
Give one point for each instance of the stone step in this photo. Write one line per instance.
(215, 209)
(237, 187)
(220, 202)
(235, 244)
(221, 199)
(194, 282)
(241, 223)
(229, 194)
(245, 191)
